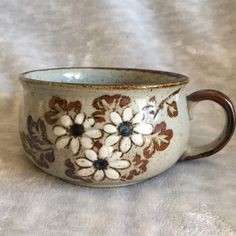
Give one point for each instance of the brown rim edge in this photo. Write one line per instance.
(225, 102)
(180, 79)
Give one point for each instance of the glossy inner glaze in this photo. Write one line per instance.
(104, 76)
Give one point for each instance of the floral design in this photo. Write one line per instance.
(108, 103)
(77, 132)
(159, 140)
(71, 171)
(172, 110)
(100, 166)
(126, 130)
(154, 108)
(58, 106)
(101, 142)
(140, 166)
(36, 143)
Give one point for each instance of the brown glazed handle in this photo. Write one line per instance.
(226, 134)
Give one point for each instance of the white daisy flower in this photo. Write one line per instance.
(77, 132)
(104, 165)
(126, 130)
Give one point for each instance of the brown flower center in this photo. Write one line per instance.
(76, 130)
(100, 164)
(125, 128)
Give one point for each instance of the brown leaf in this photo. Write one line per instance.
(57, 103)
(99, 103)
(124, 101)
(70, 172)
(34, 133)
(74, 106)
(27, 147)
(172, 109)
(160, 129)
(41, 161)
(42, 131)
(107, 102)
(58, 106)
(140, 166)
(37, 133)
(69, 164)
(165, 135)
(36, 143)
(132, 173)
(149, 151)
(98, 116)
(51, 117)
(49, 156)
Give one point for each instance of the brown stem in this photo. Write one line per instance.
(161, 105)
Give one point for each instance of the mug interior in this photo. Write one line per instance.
(105, 77)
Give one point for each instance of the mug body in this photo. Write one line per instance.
(103, 127)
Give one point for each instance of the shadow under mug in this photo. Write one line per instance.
(106, 127)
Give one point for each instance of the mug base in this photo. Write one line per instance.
(91, 185)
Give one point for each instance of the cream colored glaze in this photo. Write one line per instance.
(35, 103)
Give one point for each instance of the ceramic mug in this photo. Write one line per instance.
(105, 127)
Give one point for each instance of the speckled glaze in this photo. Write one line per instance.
(104, 127)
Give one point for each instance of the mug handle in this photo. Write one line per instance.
(226, 134)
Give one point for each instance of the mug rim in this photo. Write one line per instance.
(180, 79)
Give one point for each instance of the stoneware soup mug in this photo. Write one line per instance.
(107, 127)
